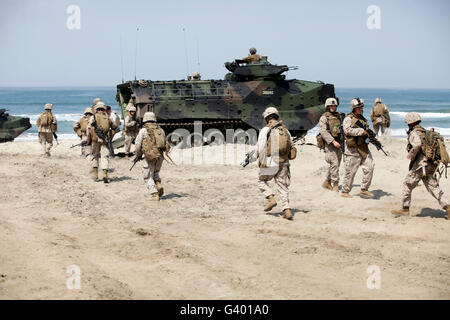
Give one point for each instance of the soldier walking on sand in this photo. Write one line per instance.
(273, 151)
(357, 153)
(80, 128)
(47, 126)
(130, 128)
(380, 116)
(420, 168)
(330, 129)
(102, 123)
(151, 143)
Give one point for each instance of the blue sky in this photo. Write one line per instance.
(328, 40)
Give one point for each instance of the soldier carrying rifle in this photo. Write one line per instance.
(332, 141)
(357, 153)
(100, 130)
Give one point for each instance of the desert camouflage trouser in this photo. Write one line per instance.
(100, 151)
(129, 137)
(377, 127)
(46, 141)
(333, 157)
(352, 163)
(86, 150)
(430, 182)
(150, 172)
(282, 180)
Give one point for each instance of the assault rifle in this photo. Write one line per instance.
(135, 160)
(372, 137)
(103, 136)
(56, 137)
(342, 134)
(248, 156)
(82, 143)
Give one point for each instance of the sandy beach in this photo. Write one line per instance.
(208, 238)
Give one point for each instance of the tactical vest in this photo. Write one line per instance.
(358, 142)
(334, 123)
(378, 110)
(284, 142)
(133, 129)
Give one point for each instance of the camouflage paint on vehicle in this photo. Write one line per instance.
(12, 126)
(238, 101)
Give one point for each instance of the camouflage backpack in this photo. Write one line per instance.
(154, 143)
(433, 147)
(102, 121)
(45, 119)
(284, 142)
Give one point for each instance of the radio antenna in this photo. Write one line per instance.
(135, 52)
(186, 53)
(198, 58)
(121, 57)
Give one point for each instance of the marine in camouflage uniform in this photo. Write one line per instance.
(357, 153)
(99, 148)
(273, 166)
(329, 124)
(130, 128)
(380, 117)
(253, 57)
(80, 128)
(47, 125)
(150, 169)
(420, 168)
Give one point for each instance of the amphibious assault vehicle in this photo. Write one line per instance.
(238, 101)
(12, 126)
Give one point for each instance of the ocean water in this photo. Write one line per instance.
(69, 104)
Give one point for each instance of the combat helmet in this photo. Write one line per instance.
(131, 109)
(87, 111)
(252, 50)
(331, 102)
(196, 75)
(357, 102)
(378, 100)
(100, 105)
(96, 100)
(269, 111)
(48, 106)
(412, 117)
(149, 117)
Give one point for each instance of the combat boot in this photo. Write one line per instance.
(336, 187)
(327, 185)
(154, 197)
(95, 174)
(345, 195)
(366, 193)
(272, 203)
(105, 176)
(447, 209)
(404, 211)
(287, 214)
(159, 188)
